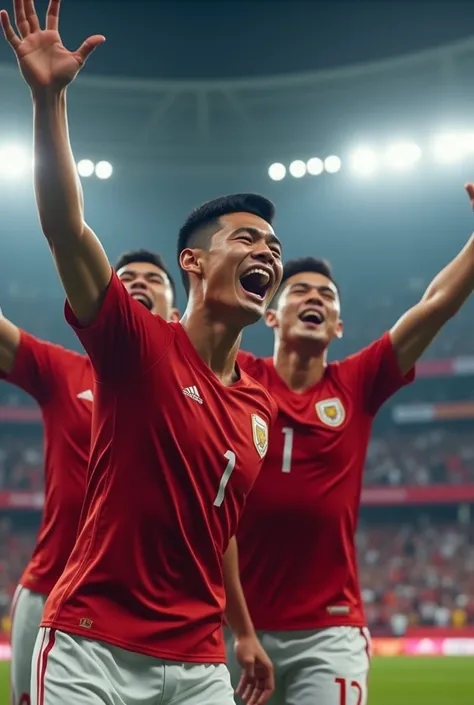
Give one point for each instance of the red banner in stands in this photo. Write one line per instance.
(430, 494)
(423, 413)
(454, 367)
(20, 414)
(21, 499)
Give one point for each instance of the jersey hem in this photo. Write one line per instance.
(33, 587)
(308, 626)
(156, 653)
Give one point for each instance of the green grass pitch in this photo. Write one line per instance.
(394, 681)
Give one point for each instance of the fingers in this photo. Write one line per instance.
(87, 47)
(21, 22)
(52, 15)
(8, 31)
(470, 192)
(31, 16)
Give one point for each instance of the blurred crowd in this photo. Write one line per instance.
(436, 456)
(21, 463)
(417, 575)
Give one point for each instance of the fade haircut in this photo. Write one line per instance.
(203, 222)
(150, 258)
(305, 264)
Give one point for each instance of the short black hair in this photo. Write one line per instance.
(305, 264)
(149, 257)
(203, 222)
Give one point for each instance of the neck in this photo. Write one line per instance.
(215, 341)
(298, 368)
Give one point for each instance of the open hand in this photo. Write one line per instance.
(44, 61)
(257, 682)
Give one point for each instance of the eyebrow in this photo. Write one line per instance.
(256, 232)
(148, 273)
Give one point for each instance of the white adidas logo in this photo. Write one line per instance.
(87, 395)
(192, 393)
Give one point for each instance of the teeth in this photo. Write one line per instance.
(256, 270)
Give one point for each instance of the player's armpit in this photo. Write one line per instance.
(413, 333)
(9, 344)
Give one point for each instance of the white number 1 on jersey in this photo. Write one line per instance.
(287, 449)
(230, 456)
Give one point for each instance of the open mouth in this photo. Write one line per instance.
(311, 315)
(256, 281)
(142, 298)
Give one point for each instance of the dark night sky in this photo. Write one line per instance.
(224, 39)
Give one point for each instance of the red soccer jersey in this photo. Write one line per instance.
(297, 534)
(174, 455)
(61, 382)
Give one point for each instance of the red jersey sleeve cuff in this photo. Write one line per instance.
(111, 296)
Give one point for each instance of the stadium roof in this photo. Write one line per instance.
(245, 120)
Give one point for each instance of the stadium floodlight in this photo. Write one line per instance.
(298, 168)
(403, 155)
(364, 161)
(85, 167)
(315, 166)
(332, 164)
(13, 161)
(450, 147)
(103, 170)
(277, 171)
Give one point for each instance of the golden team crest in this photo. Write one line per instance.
(260, 434)
(331, 412)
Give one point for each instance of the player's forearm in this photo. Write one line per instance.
(57, 185)
(9, 342)
(236, 612)
(454, 284)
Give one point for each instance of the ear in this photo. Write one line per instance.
(190, 261)
(174, 315)
(339, 330)
(271, 319)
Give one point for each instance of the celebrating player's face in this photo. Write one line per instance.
(242, 268)
(308, 310)
(151, 286)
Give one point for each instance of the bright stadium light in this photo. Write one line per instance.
(403, 155)
(332, 164)
(315, 166)
(298, 168)
(103, 170)
(277, 171)
(13, 161)
(85, 167)
(450, 147)
(364, 161)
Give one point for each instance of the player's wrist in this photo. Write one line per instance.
(47, 96)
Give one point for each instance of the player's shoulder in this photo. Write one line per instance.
(256, 367)
(365, 356)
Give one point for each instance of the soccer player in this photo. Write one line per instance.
(61, 381)
(178, 435)
(296, 537)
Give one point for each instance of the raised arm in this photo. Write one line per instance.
(48, 67)
(413, 333)
(9, 344)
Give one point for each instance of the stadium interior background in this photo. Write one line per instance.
(188, 101)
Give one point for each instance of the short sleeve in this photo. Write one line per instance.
(34, 368)
(378, 373)
(125, 339)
